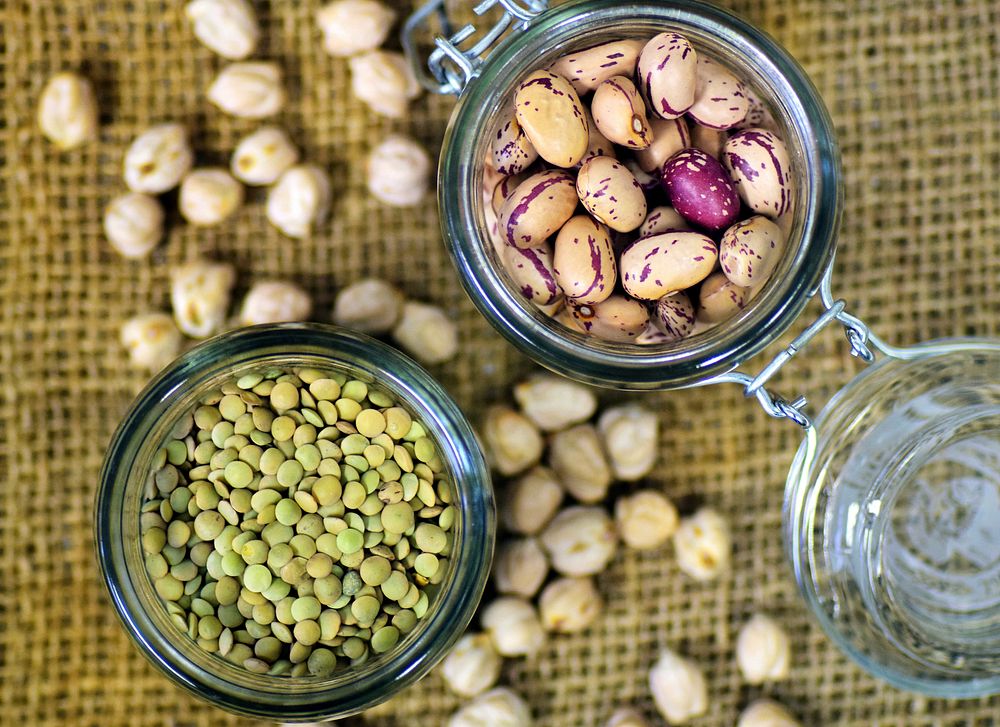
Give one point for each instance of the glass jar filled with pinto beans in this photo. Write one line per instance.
(618, 223)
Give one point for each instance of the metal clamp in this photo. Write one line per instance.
(451, 68)
(858, 335)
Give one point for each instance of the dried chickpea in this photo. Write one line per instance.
(152, 340)
(531, 501)
(370, 305)
(520, 567)
(763, 650)
(158, 159)
(553, 403)
(498, 708)
(399, 171)
(300, 200)
(581, 540)
(473, 666)
(703, 545)
(249, 90)
(200, 293)
(384, 81)
(426, 332)
(577, 458)
(646, 519)
(275, 301)
(350, 27)
(133, 224)
(569, 605)
(766, 713)
(263, 156)
(226, 27)
(514, 626)
(678, 687)
(512, 442)
(626, 717)
(208, 196)
(631, 440)
(67, 111)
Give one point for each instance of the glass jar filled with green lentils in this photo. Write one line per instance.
(294, 522)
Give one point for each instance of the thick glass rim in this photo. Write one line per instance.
(346, 692)
(800, 499)
(628, 366)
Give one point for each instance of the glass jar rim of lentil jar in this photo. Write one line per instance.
(125, 477)
(893, 500)
(486, 93)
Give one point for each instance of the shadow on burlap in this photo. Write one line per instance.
(914, 90)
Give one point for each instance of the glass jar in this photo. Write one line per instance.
(767, 69)
(892, 518)
(123, 479)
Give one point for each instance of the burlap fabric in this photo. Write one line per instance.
(914, 89)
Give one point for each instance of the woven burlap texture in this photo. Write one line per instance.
(914, 90)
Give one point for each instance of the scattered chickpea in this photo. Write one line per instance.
(208, 196)
(703, 545)
(263, 156)
(249, 90)
(512, 442)
(133, 224)
(350, 27)
(530, 501)
(275, 301)
(300, 200)
(631, 439)
(498, 708)
(473, 666)
(399, 171)
(520, 567)
(514, 626)
(226, 27)
(158, 159)
(553, 403)
(370, 306)
(152, 340)
(200, 293)
(626, 717)
(384, 81)
(426, 332)
(577, 458)
(67, 111)
(569, 605)
(581, 540)
(763, 650)
(678, 687)
(645, 519)
(766, 713)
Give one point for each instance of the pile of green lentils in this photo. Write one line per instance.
(297, 521)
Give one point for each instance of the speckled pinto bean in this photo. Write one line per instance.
(598, 146)
(653, 335)
(758, 163)
(662, 219)
(650, 183)
(662, 264)
(720, 100)
(540, 205)
(611, 193)
(750, 250)
(587, 69)
(700, 189)
(620, 113)
(667, 71)
(531, 269)
(758, 115)
(618, 319)
(512, 150)
(675, 315)
(505, 188)
(584, 261)
(708, 140)
(720, 298)
(669, 137)
(551, 115)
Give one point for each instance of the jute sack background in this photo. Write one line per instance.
(914, 90)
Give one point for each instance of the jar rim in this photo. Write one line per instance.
(349, 691)
(801, 498)
(628, 366)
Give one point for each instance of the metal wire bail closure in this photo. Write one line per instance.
(451, 68)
